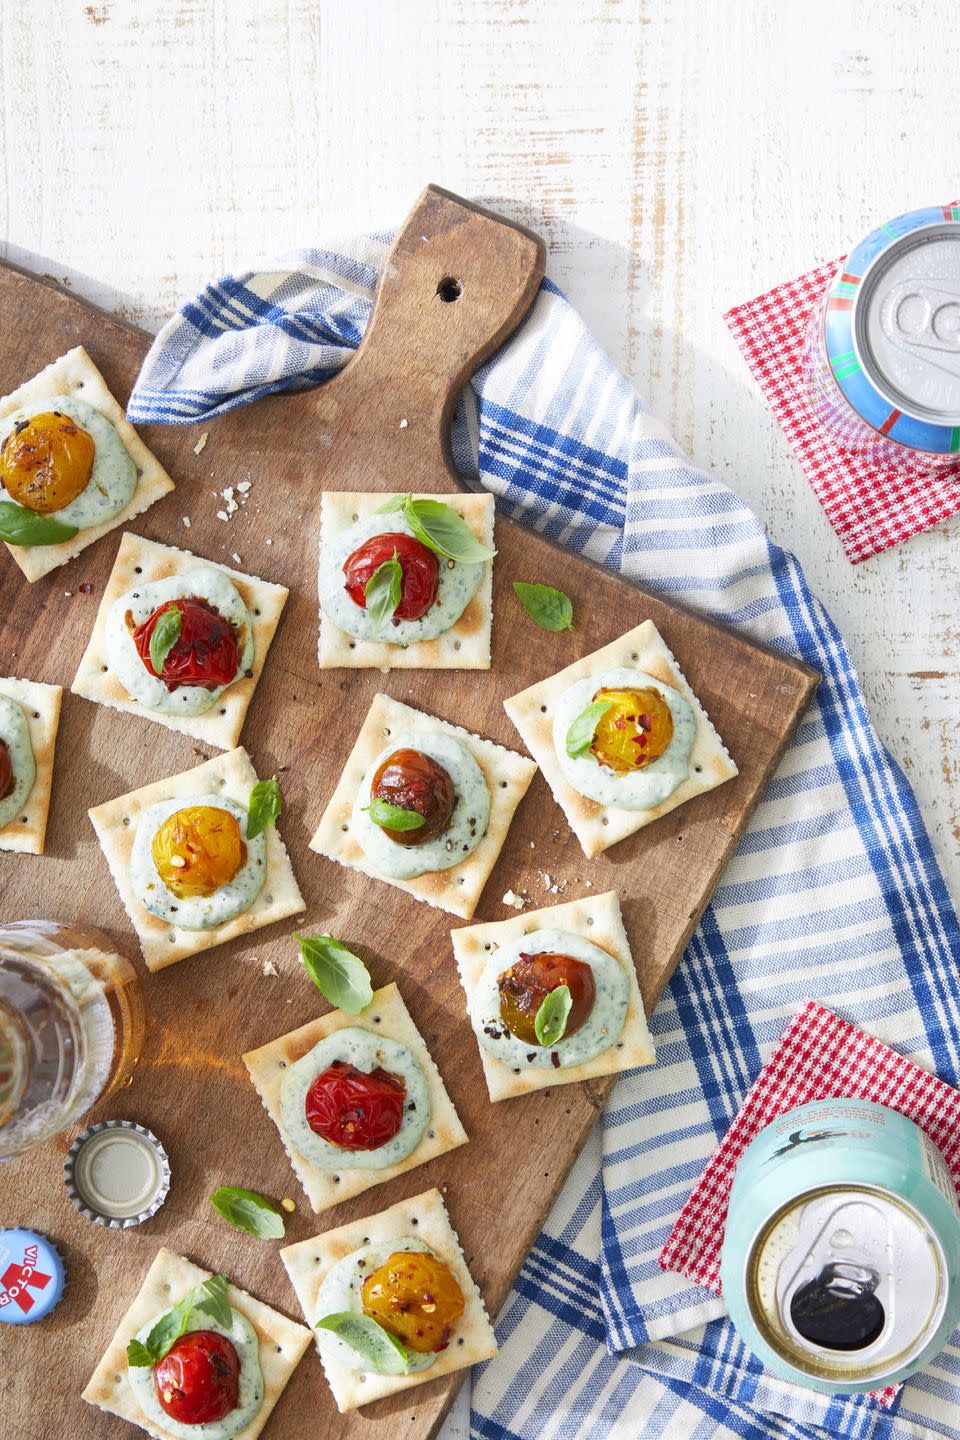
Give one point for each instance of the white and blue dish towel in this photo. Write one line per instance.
(834, 891)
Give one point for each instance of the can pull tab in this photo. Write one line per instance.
(839, 1310)
(920, 316)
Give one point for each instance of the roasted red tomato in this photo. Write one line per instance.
(420, 567)
(416, 1297)
(413, 781)
(198, 1380)
(355, 1110)
(6, 771)
(205, 654)
(45, 462)
(636, 729)
(524, 987)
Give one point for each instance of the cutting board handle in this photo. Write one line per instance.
(457, 281)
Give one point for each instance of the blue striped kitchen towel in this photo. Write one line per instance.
(834, 891)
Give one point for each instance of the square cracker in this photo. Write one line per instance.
(388, 1016)
(116, 825)
(282, 1343)
(596, 918)
(599, 826)
(41, 705)
(425, 1217)
(465, 646)
(75, 374)
(142, 561)
(507, 775)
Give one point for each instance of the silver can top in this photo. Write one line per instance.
(850, 1282)
(906, 323)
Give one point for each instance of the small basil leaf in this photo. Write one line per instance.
(339, 975)
(265, 805)
(382, 1351)
(382, 592)
(550, 1021)
(246, 1210)
(165, 635)
(580, 734)
(392, 817)
(550, 609)
(396, 502)
(20, 526)
(212, 1300)
(138, 1354)
(443, 530)
(170, 1327)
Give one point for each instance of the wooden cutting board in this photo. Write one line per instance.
(457, 282)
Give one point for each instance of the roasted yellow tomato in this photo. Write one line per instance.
(416, 1297)
(45, 462)
(636, 729)
(198, 849)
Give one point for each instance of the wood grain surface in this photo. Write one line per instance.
(191, 1087)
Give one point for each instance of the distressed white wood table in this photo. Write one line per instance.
(679, 156)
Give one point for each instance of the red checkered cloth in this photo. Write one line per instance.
(819, 1057)
(870, 508)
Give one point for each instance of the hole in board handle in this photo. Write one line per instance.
(449, 289)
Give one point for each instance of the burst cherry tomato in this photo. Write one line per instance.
(635, 730)
(45, 462)
(413, 781)
(198, 1380)
(354, 1110)
(416, 1297)
(198, 849)
(206, 653)
(524, 987)
(6, 771)
(419, 566)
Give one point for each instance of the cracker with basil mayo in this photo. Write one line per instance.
(577, 926)
(75, 377)
(493, 779)
(391, 1035)
(29, 717)
(170, 1278)
(545, 712)
(144, 576)
(455, 632)
(125, 828)
(422, 1219)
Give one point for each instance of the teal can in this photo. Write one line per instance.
(841, 1256)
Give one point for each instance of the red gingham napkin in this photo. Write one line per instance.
(819, 1057)
(870, 508)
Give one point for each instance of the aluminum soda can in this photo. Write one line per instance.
(841, 1256)
(881, 360)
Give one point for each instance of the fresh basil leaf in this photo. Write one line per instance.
(265, 805)
(393, 817)
(246, 1210)
(443, 530)
(550, 609)
(165, 635)
(170, 1327)
(580, 734)
(138, 1354)
(550, 1021)
(382, 1351)
(339, 975)
(212, 1300)
(382, 592)
(20, 526)
(396, 502)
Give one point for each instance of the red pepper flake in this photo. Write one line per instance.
(644, 722)
(555, 1059)
(86, 588)
(620, 723)
(640, 740)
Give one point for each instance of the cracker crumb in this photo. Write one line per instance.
(288, 1204)
(236, 559)
(222, 515)
(243, 486)
(200, 443)
(67, 594)
(515, 901)
(269, 542)
(404, 424)
(186, 522)
(269, 968)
